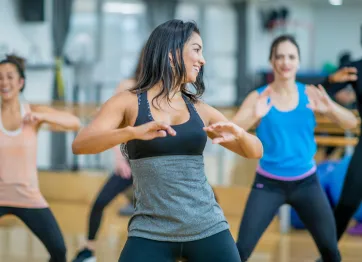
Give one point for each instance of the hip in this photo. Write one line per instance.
(21, 196)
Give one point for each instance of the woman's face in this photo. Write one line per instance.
(285, 60)
(193, 58)
(10, 81)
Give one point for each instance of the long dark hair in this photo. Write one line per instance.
(169, 37)
(282, 39)
(19, 64)
(137, 72)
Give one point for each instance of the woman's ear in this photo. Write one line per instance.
(22, 82)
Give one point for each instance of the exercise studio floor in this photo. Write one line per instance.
(70, 196)
(18, 245)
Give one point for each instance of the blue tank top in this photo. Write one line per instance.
(288, 139)
(173, 199)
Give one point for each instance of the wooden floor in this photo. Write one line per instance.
(70, 196)
(17, 244)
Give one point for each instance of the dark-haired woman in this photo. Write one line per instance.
(284, 111)
(351, 195)
(19, 125)
(165, 128)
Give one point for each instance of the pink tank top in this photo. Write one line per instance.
(19, 185)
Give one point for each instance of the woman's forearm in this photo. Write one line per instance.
(247, 145)
(342, 116)
(64, 120)
(94, 142)
(246, 120)
(250, 145)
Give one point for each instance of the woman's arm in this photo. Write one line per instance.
(121, 166)
(254, 107)
(245, 116)
(342, 116)
(319, 101)
(346, 74)
(107, 129)
(229, 135)
(110, 127)
(55, 118)
(344, 77)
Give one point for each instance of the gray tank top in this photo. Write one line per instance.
(173, 199)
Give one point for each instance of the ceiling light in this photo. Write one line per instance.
(123, 8)
(336, 2)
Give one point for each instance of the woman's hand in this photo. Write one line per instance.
(225, 132)
(152, 130)
(319, 100)
(263, 104)
(33, 118)
(345, 74)
(123, 169)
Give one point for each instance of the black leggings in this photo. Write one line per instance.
(216, 248)
(43, 224)
(351, 195)
(114, 186)
(308, 199)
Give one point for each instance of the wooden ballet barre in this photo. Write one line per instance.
(325, 120)
(335, 130)
(336, 141)
(79, 110)
(332, 140)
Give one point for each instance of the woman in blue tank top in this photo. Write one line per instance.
(165, 127)
(284, 114)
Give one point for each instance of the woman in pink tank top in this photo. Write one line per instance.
(19, 125)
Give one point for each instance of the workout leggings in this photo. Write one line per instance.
(43, 224)
(216, 248)
(351, 195)
(308, 199)
(114, 186)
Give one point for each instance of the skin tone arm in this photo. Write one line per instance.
(322, 103)
(58, 120)
(110, 127)
(229, 135)
(345, 74)
(341, 79)
(254, 107)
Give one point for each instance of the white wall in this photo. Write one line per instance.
(219, 34)
(337, 29)
(323, 32)
(20, 37)
(259, 41)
